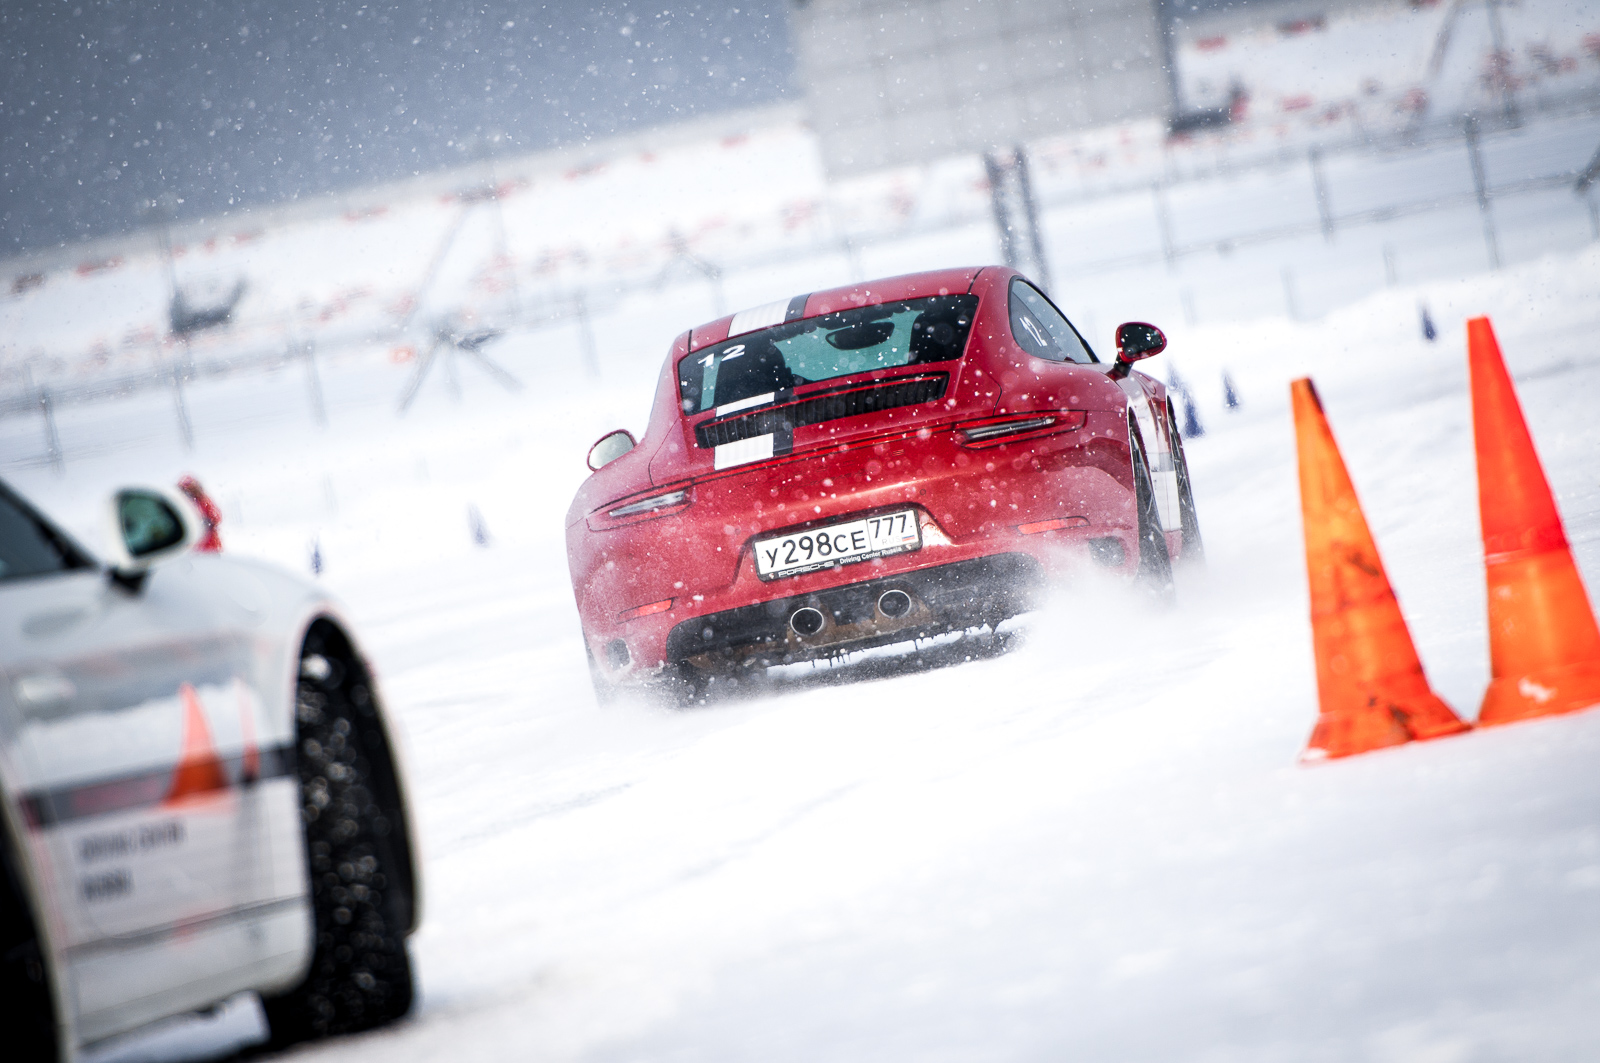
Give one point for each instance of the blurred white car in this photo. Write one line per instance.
(200, 792)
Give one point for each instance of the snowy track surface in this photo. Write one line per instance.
(1096, 846)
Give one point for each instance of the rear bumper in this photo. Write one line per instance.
(1019, 513)
(942, 598)
(953, 587)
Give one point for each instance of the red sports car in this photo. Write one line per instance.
(870, 465)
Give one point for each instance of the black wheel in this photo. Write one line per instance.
(682, 685)
(677, 686)
(357, 854)
(25, 989)
(605, 692)
(1155, 564)
(1194, 551)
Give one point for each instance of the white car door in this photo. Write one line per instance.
(132, 748)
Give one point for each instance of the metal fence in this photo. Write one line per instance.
(538, 308)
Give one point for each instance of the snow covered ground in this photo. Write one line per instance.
(1096, 845)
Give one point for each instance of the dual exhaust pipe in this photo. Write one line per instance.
(808, 620)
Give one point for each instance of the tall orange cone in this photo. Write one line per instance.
(1370, 683)
(198, 771)
(1544, 647)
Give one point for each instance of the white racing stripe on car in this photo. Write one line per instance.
(758, 317)
(745, 404)
(742, 452)
(1167, 490)
(1165, 475)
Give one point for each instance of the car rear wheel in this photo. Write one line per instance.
(1155, 564)
(357, 854)
(1194, 550)
(605, 692)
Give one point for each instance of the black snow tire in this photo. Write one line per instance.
(30, 1030)
(605, 691)
(1155, 564)
(357, 854)
(1194, 550)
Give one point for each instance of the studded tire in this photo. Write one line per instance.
(605, 691)
(1155, 563)
(1194, 551)
(31, 1033)
(357, 854)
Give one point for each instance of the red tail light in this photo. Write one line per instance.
(660, 504)
(1054, 524)
(645, 610)
(992, 431)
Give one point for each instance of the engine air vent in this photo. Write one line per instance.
(826, 406)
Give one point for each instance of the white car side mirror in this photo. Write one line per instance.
(148, 525)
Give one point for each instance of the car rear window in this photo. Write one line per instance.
(910, 332)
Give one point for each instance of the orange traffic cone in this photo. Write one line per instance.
(1370, 684)
(198, 771)
(1544, 647)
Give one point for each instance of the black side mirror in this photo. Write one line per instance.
(610, 447)
(1136, 340)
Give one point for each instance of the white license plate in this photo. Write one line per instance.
(838, 544)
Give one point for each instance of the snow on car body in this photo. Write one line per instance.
(865, 465)
(188, 751)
